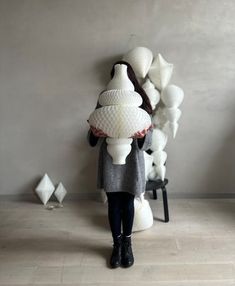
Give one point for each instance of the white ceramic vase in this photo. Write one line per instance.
(140, 58)
(160, 72)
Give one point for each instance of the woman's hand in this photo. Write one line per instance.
(141, 134)
(98, 132)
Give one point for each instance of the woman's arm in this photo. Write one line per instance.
(145, 142)
(92, 139)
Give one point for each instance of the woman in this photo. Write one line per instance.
(123, 182)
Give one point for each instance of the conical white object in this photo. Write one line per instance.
(140, 58)
(172, 96)
(173, 127)
(160, 72)
(120, 79)
(143, 216)
(45, 189)
(60, 192)
(159, 140)
(152, 93)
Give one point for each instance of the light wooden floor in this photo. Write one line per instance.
(71, 245)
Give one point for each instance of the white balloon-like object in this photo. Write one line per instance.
(140, 58)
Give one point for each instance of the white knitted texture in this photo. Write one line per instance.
(120, 121)
(119, 96)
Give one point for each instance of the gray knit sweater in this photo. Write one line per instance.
(122, 178)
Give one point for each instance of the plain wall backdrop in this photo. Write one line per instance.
(55, 58)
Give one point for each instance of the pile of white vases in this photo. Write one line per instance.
(155, 74)
(46, 188)
(120, 116)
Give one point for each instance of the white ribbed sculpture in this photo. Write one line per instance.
(120, 116)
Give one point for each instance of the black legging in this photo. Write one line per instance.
(120, 211)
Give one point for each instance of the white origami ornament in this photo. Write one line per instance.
(60, 192)
(152, 93)
(140, 58)
(45, 189)
(120, 117)
(160, 72)
(143, 217)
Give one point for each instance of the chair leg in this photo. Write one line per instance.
(165, 204)
(155, 194)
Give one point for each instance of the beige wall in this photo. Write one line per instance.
(55, 57)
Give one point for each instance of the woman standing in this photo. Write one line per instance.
(123, 182)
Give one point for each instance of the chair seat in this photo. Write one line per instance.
(158, 184)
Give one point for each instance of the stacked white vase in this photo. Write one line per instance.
(120, 116)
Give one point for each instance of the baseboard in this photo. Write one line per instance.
(96, 196)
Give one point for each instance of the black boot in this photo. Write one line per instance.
(127, 258)
(115, 259)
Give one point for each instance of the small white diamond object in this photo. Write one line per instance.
(45, 189)
(60, 192)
